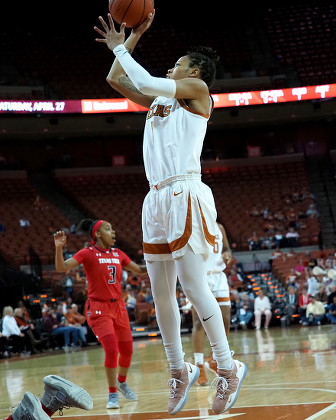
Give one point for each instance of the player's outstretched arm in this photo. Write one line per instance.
(61, 265)
(117, 77)
(136, 268)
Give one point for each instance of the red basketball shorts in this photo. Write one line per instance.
(106, 318)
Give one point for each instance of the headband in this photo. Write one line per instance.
(94, 230)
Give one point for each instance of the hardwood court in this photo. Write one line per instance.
(291, 375)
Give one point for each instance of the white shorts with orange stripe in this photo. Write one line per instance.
(219, 286)
(177, 212)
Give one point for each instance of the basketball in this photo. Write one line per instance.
(132, 12)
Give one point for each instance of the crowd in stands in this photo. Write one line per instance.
(307, 296)
(282, 226)
(59, 325)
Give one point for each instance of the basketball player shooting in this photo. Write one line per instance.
(179, 214)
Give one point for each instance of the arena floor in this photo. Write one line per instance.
(291, 376)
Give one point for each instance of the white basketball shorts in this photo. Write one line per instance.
(220, 288)
(177, 212)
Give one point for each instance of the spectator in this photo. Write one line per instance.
(291, 279)
(76, 320)
(130, 301)
(55, 329)
(68, 284)
(27, 329)
(331, 311)
(292, 237)
(315, 312)
(142, 295)
(313, 283)
(24, 222)
(332, 294)
(322, 296)
(303, 302)
(245, 311)
(312, 211)
(278, 308)
(234, 279)
(152, 323)
(254, 242)
(262, 306)
(279, 239)
(291, 303)
(12, 332)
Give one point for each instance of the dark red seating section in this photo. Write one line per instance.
(17, 201)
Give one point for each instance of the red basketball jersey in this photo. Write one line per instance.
(103, 268)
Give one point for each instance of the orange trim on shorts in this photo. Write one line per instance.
(210, 238)
(174, 245)
(156, 248)
(223, 299)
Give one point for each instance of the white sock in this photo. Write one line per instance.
(175, 355)
(199, 358)
(222, 355)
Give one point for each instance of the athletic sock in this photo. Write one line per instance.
(112, 389)
(121, 379)
(199, 358)
(46, 410)
(175, 355)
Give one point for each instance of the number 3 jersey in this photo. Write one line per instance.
(103, 269)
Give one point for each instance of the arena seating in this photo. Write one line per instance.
(118, 198)
(302, 36)
(237, 189)
(281, 266)
(19, 203)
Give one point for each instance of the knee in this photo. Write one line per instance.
(125, 353)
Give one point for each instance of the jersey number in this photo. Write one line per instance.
(216, 248)
(113, 271)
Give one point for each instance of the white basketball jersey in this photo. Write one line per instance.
(215, 260)
(173, 139)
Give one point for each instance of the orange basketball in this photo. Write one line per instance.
(132, 12)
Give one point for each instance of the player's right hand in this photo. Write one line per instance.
(60, 239)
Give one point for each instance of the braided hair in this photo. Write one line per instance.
(206, 59)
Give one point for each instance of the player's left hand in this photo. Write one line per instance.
(110, 36)
(60, 239)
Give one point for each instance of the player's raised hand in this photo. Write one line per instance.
(110, 36)
(60, 239)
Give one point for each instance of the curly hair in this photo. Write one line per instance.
(206, 59)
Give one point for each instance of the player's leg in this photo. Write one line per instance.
(124, 362)
(125, 346)
(191, 270)
(100, 319)
(163, 278)
(60, 393)
(30, 408)
(225, 307)
(198, 340)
